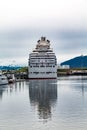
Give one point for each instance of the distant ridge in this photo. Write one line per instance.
(10, 67)
(77, 62)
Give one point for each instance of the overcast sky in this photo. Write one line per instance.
(23, 22)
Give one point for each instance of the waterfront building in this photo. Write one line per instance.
(63, 66)
(42, 61)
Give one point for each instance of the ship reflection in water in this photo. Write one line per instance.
(44, 104)
(43, 95)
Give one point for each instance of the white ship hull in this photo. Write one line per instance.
(42, 61)
(3, 80)
(42, 73)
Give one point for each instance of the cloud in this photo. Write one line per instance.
(43, 13)
(21, 42)
(23, 22)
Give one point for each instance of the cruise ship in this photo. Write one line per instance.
(42, 62)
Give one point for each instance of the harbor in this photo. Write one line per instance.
(43, 65)
(41, 95)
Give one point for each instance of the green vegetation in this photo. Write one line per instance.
(22, 69)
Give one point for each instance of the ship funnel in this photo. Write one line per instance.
(43, 38)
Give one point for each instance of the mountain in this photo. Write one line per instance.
(9, 67)
(77, 62)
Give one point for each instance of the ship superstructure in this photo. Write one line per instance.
(42, 61)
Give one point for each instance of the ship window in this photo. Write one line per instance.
(35, 66)
(47, 66)
(48, 72)
(42, 66)
(35, 72)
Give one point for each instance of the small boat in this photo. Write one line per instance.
(3, 79)
(11, 78)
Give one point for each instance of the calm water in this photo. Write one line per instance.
(44, 104)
